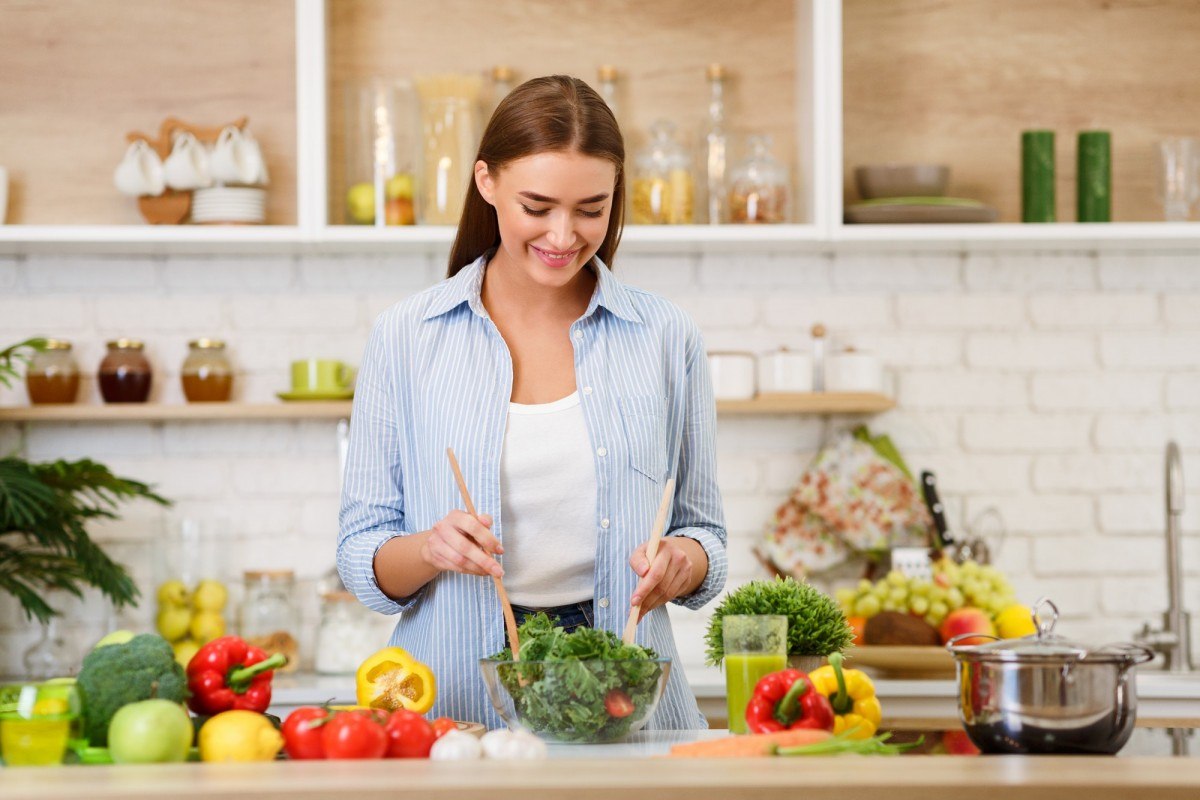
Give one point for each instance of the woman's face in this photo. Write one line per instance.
(553, 210)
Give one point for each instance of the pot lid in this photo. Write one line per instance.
(1045, 646)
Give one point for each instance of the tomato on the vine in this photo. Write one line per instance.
(409, 735)
(302, 733)
(354, 734)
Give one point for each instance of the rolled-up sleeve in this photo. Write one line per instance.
(372, 508)
(698, 512)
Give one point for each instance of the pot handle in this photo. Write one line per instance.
(952, 644)
(1137, 653)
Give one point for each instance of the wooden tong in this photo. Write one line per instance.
(651, 552)
(510, 621)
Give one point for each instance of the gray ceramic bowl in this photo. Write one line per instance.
(901, 180)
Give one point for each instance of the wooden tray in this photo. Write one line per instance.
(901, 661)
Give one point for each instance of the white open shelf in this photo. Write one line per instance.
(818, 55)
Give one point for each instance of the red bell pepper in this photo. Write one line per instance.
(787, 700)
(229, 674)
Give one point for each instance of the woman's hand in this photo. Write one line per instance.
(679, 568)
(461, 543)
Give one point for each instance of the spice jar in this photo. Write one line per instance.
(269, 619)
(758, 189)
(664, 189)
(53, 374)
(125, 374)
(206, 374)
(345, 637)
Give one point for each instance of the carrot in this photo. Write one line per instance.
(752, 746)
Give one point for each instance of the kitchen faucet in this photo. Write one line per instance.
(1173, 640)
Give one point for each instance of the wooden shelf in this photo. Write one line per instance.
(149, 412)
(812, 403)
(809, 403)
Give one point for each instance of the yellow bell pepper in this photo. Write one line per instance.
(852, 695)
(393, 679)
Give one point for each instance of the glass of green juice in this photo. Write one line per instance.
(755, 645)
(36, 721)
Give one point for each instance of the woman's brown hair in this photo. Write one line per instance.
(553, 113)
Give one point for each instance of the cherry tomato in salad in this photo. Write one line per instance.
(618, 704)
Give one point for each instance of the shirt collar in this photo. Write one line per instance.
(467, 286)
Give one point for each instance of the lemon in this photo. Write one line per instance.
(1014, 622)
(184, 650)
(239, 736)
(173, 622)
(206, 626)
(172, 593)
(209, 596)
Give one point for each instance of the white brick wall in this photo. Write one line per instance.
(1043, 385)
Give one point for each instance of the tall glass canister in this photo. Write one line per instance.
(716, 145)
(450, 138)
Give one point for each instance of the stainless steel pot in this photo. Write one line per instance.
(1045, 694)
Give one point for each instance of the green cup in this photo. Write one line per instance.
(36, 722)
(313, 375)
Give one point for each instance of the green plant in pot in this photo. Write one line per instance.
(44, 512)
(816, 625)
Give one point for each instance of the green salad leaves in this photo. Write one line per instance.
(584, 686)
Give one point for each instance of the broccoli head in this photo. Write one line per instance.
(118, 674)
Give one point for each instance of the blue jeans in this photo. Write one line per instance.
(570, 616)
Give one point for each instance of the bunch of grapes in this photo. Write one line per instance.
(953, 586)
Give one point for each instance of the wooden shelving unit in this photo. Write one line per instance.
(810, 403)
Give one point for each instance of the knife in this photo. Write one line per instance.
(936, 510)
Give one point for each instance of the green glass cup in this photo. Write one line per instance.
(36, 722)
(755, 645)
(321, 375)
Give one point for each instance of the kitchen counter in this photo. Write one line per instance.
(587, 772)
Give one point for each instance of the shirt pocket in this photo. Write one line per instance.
(645, 434)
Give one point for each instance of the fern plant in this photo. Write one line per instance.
(44, 512)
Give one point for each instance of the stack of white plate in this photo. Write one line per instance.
(229, 204)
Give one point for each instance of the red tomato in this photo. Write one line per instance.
(443, 725)
(302, 733)
(353, 734)
(618, 704)
(409, 735)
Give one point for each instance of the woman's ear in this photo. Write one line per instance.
(484, 182)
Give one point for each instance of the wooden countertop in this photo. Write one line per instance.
(899, 778)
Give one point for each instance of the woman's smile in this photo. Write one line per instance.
(556, 258)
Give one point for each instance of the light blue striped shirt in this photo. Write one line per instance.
(436, 373)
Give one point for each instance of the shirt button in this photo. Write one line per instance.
(604, 522)
(602, 451)
(604, 602)
(578, 334)
(587, 390)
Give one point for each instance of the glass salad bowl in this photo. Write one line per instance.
(577, 701)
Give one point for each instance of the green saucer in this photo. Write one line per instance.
(331, 394)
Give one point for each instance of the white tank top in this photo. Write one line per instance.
(548, 504)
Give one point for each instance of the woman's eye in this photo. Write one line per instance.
(592, 214)
(535, 212)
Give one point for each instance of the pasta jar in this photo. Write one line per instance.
(125, 373)
(53, 374)
(206, 374)
(269, 619)
(759, 191)
(664, 189)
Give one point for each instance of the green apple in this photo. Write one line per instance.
(360, 203)
(150, 732)
(116, 637)
(399, 185)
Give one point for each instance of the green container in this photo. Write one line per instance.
(1094, 177)
(1037, 176)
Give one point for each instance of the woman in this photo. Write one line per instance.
(568, 398)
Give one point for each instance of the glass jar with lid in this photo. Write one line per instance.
(664, 188)
(269, 619)
(125, 373)
(206, 374)
(345, 635)
(759, 187)
(53, 374)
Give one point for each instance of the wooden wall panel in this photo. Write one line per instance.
(76, 75)
(660, 48)
(956, 81)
